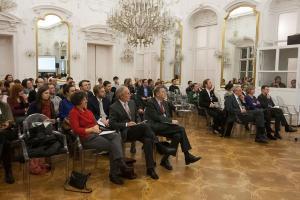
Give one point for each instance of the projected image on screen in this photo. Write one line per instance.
(46, 64)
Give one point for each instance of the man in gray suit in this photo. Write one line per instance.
(123, 117)
(236, 110)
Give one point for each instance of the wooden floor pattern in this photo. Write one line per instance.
(231, 169)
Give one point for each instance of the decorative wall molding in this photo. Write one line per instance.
(277, 6)
(99, 33)
(204, 17)
(236, 3)
(8, 22)
(44, 10)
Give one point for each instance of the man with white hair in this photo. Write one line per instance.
(236, 110)
(123, 117)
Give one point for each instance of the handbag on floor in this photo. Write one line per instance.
(77, 181)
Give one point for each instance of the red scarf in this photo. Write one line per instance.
(46, 108)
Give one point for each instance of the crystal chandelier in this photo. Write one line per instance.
(141, 21)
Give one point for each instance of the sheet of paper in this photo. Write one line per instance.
(106, 132)
(101, 123)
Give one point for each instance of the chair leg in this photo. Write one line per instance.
(28, 180)
(67, 165)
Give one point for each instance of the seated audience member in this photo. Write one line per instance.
(66, 106)
(32, 94)
(228, 89)
(83, 123)
(267, 104)
(108, 92)
(138, 83)
(6, 136)
(151, 83)
(116, 84)
(27, 85)
(53, 80)
(42, 103)
(18, 103)
(54, 98)
(99, 105)
(84, 86)
(3, 97)
(253, 104)
(123, 117)
(208, 100)
(100, 82)
(143, 94)
(9, 78)
(7, 85)
(277, 83)
(17, 82)
(158, 114)
(128, 83)
(193, 95)
(251, 101)
(293, 83)
(174, 88)
(190, 87)
(236, 109)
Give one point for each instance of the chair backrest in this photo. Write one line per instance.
(36, 117)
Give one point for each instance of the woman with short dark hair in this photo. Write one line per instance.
(84, 124)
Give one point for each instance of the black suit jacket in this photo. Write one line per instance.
(173, 88)
(31, 96)
(205, 100)
(140, 92)
(265, 102)
(232, 107)
(155, 118)
(93, 105)
(118, 117)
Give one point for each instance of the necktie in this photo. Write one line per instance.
(161, 108)
(127, 110)
(102, 113)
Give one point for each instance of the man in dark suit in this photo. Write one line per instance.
(270, 112)
(85, 86)
(98, 104)
(209, 101)
(236, 110)
(32, 94)
(174, 88)
(159, 118)
(123, 117)
(144, 93)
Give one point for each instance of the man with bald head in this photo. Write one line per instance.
(236, 110)
(123, 117)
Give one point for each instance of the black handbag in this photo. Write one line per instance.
(78, 181)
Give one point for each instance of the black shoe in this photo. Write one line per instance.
(278, 136)
(191, 159)
(9, 178)
(166, 164)
(261, 140)
(124, 167)
(132, 148)
(290, 129)
(151, 172)
(271, 137)
(116, 179)
(165, 150)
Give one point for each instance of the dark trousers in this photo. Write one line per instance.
(277, 114)
(144, 134)
(256, 116)
(6, 136)
(177, 135)
(218, 117)
(111, 143)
